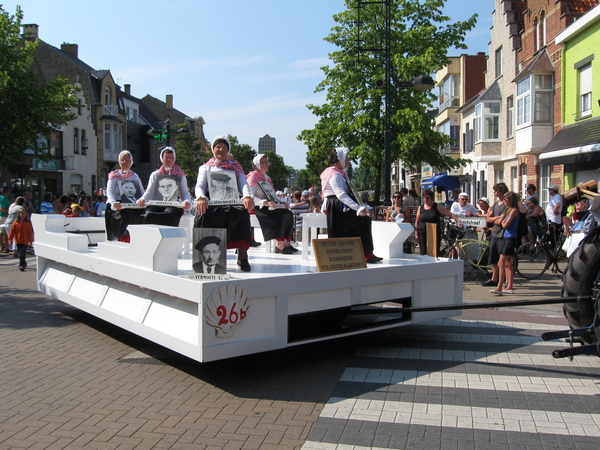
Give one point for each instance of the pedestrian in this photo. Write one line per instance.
(22, 233)
(554, 214)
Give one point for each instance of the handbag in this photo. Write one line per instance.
(572, 242)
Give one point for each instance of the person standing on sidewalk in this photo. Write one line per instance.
(4, 205)
(22, 232)
(553, 213)
(494, 213)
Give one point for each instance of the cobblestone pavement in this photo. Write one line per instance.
(483, 380)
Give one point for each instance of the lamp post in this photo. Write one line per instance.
(421, 83)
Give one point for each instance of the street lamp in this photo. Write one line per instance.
(421, 83)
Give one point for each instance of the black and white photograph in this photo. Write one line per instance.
(270, 193)
(223, 186)
(210, 250)
(129, 191)
(167, 189)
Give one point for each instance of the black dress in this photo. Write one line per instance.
(426, 216)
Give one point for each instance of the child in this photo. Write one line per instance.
(22, 232)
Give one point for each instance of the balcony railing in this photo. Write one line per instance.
(110, 110)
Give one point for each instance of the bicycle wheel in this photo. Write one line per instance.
(532, 264)
(561, 256)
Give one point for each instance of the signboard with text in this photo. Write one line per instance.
(339, 254)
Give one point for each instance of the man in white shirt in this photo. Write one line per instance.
(463, 207)
(553, 213)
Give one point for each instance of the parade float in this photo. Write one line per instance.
(148, 287)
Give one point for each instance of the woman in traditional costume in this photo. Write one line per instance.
(345, 217)
(234, 217)
(275, 222)
(117, 219)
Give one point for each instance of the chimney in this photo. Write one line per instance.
(128, 89)
(70, 49)
(31, 31)
(169, 101)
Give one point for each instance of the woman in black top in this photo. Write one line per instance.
(429, 212)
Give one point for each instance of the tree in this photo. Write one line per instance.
(278, 171)
(29, 110)
(354, 113)
(189, 153)
(242, 153)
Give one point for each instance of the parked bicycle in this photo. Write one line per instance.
(534, 258)
(455, 246)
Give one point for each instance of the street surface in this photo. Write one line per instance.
(483, 380)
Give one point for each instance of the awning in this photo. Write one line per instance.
(445, 180)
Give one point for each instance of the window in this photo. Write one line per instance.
(449, 90)
(500, 176)
(585, 91)
(79, 106)
(514, 178)
(542, 106)
(55, 144)
(486, 126)
(477, 123)
(468, 143)
(543, 98)
(510, 110)
(75, 140)
(498, 61)
(84, 142)
(524, 101)
(107, 96)
(492, 120)
(541, 31)
(110, 136)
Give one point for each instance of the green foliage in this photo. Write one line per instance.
(242, 153)
(29, 110)
(354, 113)
(278, 171)
(189, 153)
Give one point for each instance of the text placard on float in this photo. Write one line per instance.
(339, 254)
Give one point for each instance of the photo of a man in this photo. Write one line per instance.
(129, 193)
(168, 188)
(220, 186)
(209, 249)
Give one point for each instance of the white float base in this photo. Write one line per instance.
(142, 287)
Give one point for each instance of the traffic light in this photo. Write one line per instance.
(160, 135)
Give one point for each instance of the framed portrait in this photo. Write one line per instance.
(129, 190)
(270, 193)
(223, 185)
(167, 188)
(210, 251)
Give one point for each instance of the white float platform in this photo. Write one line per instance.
(143, 288)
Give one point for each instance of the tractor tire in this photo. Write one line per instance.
(582, 272)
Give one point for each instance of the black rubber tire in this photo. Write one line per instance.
(582, 271)
(531, 264)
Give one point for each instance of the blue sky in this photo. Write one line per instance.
(248, 67)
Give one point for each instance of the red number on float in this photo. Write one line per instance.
(222, 313)
(242, 314)
(233, 315)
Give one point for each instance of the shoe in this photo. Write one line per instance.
(284, 250)
(244, 265)
(509, 291)
(372, 257)
(494, 291)
(490, 282)
(253, 243)
(22, 269)
(372, 260)
(294, 249)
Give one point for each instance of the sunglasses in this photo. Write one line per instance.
(397, 196)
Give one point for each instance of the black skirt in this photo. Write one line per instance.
(342, 223)
(275, 223)
(235, 219)
(117, 221)
(159, 215)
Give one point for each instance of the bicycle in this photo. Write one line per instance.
(534, 258)
(473, 251)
